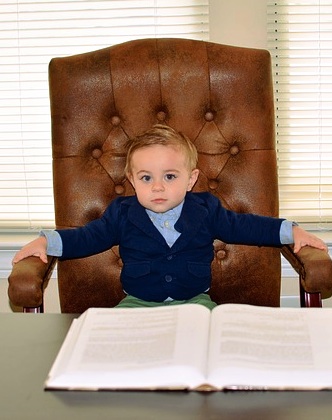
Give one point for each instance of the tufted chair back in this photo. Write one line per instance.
(220, 96)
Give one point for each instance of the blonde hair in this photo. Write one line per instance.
(165, 136)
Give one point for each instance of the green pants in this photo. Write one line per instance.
(132, 302)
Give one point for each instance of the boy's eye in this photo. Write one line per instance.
(169, 177)
(146, 178)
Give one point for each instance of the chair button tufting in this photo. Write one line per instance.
(97, 153)
(209, 116)
(234, 150)
(161, 116)
(115, 120)
(213, 184)
(119, 189)
(221, 254)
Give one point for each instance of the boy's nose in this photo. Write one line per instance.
(158, 186)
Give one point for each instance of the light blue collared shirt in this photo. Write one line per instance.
(165, 222)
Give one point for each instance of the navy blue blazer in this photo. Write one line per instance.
(153, 271)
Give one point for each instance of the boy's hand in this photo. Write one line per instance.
(303, 238)
(35, 248)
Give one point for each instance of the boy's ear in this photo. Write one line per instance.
(130, 178)
(193, 178)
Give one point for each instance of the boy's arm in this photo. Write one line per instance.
(303, 238)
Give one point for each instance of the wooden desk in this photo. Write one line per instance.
(29, 344)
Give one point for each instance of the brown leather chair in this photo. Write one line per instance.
(222, 98)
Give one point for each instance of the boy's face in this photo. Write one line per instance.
(161, 177)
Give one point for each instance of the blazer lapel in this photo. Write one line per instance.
(192, 216)
(139, 217)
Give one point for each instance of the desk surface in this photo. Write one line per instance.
(30, 342)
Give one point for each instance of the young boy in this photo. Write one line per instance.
(165, 232)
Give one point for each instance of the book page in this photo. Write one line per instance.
(271, 348)
(135, 348)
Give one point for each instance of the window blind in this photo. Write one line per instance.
(31, 33)
(300, 42)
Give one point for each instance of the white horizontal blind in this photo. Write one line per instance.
(300, 41)
(31, 33)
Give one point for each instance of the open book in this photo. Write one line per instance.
(192, 348)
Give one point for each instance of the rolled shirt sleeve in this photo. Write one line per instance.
(54, 242)
(286, 232)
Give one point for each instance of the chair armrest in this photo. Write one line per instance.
(314, 267)
(27, 281)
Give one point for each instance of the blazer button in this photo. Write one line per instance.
(168, 278)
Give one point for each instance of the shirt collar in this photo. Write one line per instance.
(173, 213)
